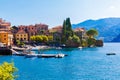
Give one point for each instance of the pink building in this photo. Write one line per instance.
(4, 26)
(33, 29)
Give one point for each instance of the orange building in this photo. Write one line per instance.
(4, 37)
(5, 34)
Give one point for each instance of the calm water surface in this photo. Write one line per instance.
(80, 64)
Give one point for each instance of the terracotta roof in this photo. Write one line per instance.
(79, 29)
(3, 32)
(21, 32)
(57, 27)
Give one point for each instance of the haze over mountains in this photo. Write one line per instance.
(109, 28)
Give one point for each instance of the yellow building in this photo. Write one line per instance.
(21, 35)
(4, 37)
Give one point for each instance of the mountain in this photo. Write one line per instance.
(116, 39)
(108, 28)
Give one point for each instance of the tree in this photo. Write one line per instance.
(84, 43)
(73, 41)
(20, 43)
(45, 38)
(67, 30)
(91, 42)
(64, 32)
(38, 38)
(7, 71)
(32, 38)
(14, 27)
(92, 33)
(50, 38)
(76, 39)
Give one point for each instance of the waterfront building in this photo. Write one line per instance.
(10, 39)
(4, 26)
(21, 35)
(6, 37)
(56, 29)
(57, 33)
(41, 28)
(81, 33)
(36, 29)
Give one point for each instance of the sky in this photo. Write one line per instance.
(53, 12)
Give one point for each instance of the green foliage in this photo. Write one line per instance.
(38, 38)
(32, 38)
(92, 33)
(64, 28)
(19, 43)
(84, 43)
(50, 38)
(45, 38)
(73, 41)
(91, 42)
(41, 38)
(14, 28)
(67, 30)
(7, 71)
(76, 39)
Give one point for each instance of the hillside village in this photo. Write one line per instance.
(36, 34)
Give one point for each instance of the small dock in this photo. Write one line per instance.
(59, 55)
(42, 55)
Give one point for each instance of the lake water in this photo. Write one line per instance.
(80, 64)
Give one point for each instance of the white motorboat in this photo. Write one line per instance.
(60, 55)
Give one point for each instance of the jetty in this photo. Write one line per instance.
(59, 55)
(30, 55)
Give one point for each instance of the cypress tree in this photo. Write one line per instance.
(67, 30)
(64, 32)
(64, 28)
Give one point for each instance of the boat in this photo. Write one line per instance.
(110, 54)
(18, 49)
(80, 47)
(46, 55)
(30, 55)
(58, 47)
(60, 55)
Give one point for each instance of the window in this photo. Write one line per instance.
(24, 38)
(4, 35)
(17, 38)
(24, 35)
(4, 38)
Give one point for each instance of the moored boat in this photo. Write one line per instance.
(110, 54)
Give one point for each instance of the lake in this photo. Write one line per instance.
(80, 64)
